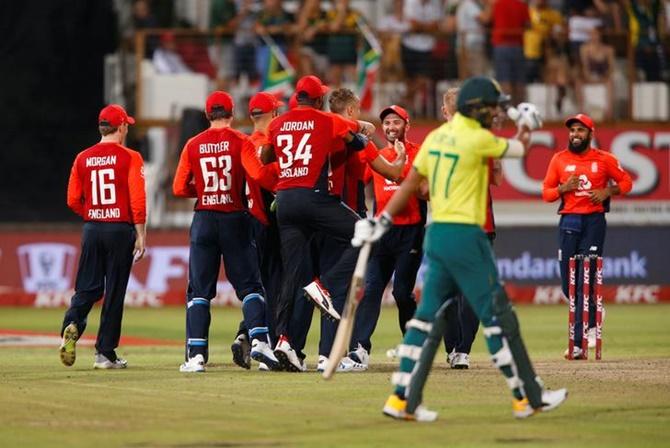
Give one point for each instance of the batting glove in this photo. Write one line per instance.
(525, 114)
(370, 230)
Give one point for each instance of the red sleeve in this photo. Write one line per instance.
(75, 193)
(342, 126)
(616, 172)
(136, 190)
(550, 185)
(371, 152)
(265, 175)
(183, 186)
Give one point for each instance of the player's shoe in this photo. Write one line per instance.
(551, 399)
(577, 353)
(395, 407)
(592, 337)
(68, 352)
(460, 361)
(450, 358)
(103, 362)
(241, 351)
(263, 367)
(346, 365)
(287, 357)
(261, 352)
(360, 356)
(193, 365)
(320, 296)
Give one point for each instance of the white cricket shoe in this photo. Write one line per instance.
(346, 365)
(261, 352)
(360, 356)
(592, 337)
(68, 348)
(460, 361)
(287, 357)
(263, 367)
(241, 350)
(577, 353)
(551, 399)
(193, 365)
(320, 296)
(450, 358)
(102, 362)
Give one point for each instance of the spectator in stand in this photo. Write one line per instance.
(417, 48)
(611, 13)
(237, 57)
(557, 70)
(166, 59)
(597, 66)
(391, 28)
(272, 22)
(471, 17)
(222, 14)
(509, 19)
(580, 25)
(342, 42)
(311, 40)
(143, 18)
(645, 22)
(544, 22)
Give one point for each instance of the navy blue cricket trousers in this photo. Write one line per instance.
(580, 235)
(398, 253)
(104, 269)
(301, 213)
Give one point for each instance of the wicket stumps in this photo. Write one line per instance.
(573, 264)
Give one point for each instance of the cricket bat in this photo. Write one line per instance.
(346, 325)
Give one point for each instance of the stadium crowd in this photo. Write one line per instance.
(561, 43)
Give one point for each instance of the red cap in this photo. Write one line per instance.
(114, 116)
(293, 102)
(395, 109)
(583, 119)
(219, 99)
(263, 103)
(312, 86)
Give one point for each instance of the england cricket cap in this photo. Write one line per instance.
(114, 116)
(312, 86)
(394, 109)
(263, 103)
(219, 99)
(583, 119)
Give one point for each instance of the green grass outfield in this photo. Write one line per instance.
(623, 400)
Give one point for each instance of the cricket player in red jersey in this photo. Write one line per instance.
(399, 251)
(581, 177)
(346, 181)
(106, 188)
(261, 182)
(302, 141)
(210, 169)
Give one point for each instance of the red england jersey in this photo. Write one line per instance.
(210, 169)
(107, 185)
(347, 175)
(384, 188)
(303, 138)
(258, 175)
(594, 168)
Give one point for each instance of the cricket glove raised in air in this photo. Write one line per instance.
(525, 114)
(370, 230)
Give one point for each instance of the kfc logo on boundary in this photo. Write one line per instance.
(46, 266)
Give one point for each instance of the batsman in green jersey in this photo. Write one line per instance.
(454, 161)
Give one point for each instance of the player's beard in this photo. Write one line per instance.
(398, 136)
(581, 147)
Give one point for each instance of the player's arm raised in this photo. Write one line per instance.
(390, 170)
